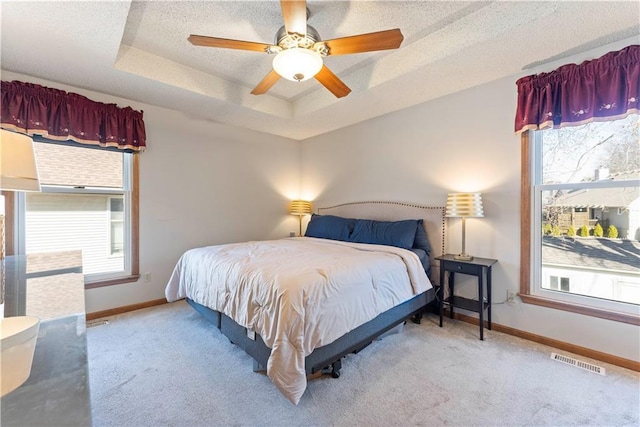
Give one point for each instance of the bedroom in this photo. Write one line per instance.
(229, 183)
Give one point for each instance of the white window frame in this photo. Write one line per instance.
(126, 192)
(536, 279)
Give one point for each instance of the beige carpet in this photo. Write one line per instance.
(166, 366)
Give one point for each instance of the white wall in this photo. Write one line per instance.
(203, 183)
(200, 183)
(461, 142)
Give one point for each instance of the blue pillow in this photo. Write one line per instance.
(390, 233)
(330, 227)
(424, 259)
(421, 241)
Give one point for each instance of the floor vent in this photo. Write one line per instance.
(94, 323)
(578, 364)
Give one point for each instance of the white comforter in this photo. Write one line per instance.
(298, 294)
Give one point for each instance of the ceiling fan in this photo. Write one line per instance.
(299, 49)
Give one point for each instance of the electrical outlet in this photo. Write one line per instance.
(511, 296)
(147, 277)
(292, 234)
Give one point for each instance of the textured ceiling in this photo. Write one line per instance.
(139, 50)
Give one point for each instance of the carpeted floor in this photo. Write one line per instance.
(166, 366)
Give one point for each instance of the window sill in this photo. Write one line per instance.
(580, 309)
(118, 281)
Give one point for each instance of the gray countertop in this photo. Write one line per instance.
(57, 391)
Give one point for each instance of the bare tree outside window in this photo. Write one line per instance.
(591, 152)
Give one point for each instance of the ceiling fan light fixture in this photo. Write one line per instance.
(297, 64)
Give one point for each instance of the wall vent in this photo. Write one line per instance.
(578, 363)
(94, 323)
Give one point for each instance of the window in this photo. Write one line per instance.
(87, 203)
(564, 283)
(581, 186)
(116, 226)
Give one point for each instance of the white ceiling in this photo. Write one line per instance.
(139, 50)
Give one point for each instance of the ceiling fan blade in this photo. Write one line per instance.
(332, 82)
(294, 13)
(266, 83)
(227, 43)
(381, 40)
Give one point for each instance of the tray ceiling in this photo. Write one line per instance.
(139, 50)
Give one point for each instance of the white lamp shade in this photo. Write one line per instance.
(300, 207)
(297, 64)
(18, 170)
(468, 205)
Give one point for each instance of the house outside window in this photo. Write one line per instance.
(86, 204)
(585, 215)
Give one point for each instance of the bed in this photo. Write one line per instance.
(298, 305)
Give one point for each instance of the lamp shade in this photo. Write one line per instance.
(300, 207)
(297, 64)
(466, 205)
(17, 162)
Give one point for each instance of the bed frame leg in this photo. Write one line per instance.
(417, 317)
(258, 367)
(335, 368)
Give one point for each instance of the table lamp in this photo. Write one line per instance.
(464, 205)
(300, 208)
(17, 173)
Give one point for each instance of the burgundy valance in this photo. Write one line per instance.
(55, 114)
(601, 89)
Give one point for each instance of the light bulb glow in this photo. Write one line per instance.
(297, 64)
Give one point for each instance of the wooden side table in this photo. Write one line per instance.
(478, 267)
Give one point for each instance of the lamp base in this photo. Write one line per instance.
(463, 257)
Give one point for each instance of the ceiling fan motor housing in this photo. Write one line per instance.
(288, 41)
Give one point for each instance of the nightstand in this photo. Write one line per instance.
(478, 267)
